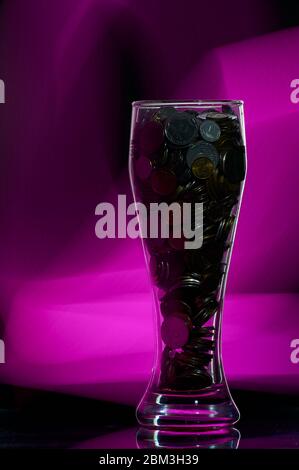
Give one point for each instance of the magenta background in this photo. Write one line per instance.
(75, 311)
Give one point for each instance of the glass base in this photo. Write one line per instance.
(221, 438)
(211, 408)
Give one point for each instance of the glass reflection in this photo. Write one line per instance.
(224, 438)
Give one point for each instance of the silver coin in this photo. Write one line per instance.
(210, 131)
(217, 115)
(202, 149)
(181, 129)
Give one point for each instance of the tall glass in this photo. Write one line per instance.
(191, 153)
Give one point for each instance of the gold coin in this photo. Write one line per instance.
(202, 168)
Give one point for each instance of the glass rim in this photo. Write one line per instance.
(184, 103)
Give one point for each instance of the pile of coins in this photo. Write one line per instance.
(190, 156)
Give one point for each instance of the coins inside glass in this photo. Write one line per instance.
(190, 156)
(202, 168)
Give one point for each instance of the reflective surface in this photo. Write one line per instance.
(31, 419)
(224, 438)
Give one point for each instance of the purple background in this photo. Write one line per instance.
(75, 311)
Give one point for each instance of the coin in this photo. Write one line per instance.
(185, 175)
(181, 129)
(178, 194)
(159, 158)
(192, 281)
(151, 137)
(202, 168)
(210, 131)
(143, 168)
(217, 115)
(217, 210)
(212, 283)
(175, 330)
(234, 165)
(225, 227)
(192, 112)
(173, 306)
(176, 159)
(160, 270)
(165, 268)
(199, 342)
(202, 149)
(163, 182)
(196, 260)
(177, 164)
(193, 360)
(201, 380)
(164, 113)
(208, 310)
(195, 192)
(227, 109)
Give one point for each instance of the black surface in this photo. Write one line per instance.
(50, 420)
(30, 419)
